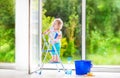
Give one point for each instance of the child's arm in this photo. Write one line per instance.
(46, 32)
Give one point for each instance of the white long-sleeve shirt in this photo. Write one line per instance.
(53, 35)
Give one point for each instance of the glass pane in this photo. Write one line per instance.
(34, 35)
(103, 31)
(7, 31)
(70, 13)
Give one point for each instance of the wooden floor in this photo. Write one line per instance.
(53, 74)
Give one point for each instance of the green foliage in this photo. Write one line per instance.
(7, 31)
(7, 12)
(70, 50)
(70, 31)
(64, 45)
(62, 8)
(46, 20)
(7, 44)
(102, 31)
(4, 48)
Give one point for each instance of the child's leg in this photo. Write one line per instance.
(53, 58)
(56, 58)
(57, 54)
(53, 55)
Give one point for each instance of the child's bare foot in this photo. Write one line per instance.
(56, 59)
(52, 60)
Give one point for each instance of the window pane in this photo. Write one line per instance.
(103, 31)
(70, 13)
(7, 30)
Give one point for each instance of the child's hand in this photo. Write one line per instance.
(44, 33)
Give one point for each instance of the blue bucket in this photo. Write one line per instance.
(82, 67)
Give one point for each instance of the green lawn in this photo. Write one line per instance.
(110, 59)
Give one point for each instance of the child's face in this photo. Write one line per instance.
(56, 26)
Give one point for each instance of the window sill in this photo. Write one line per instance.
(7, 65)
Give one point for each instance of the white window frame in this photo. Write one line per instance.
(22, 39)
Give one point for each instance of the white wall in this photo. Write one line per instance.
(22, 40)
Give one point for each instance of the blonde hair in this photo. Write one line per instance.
(60, 22)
